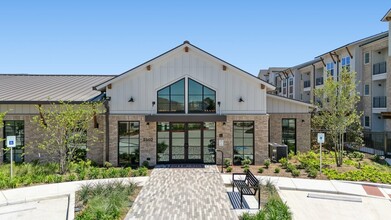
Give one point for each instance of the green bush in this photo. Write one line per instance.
(284, 162)
(295, 173)
(260, 170)
(108, 164)
(312, 173)
(277, 170)
(266, 163)
(227, 162)
(273, 209)
(229, 169)
(290, 167)
(246, 162)
(145, 164)
(246, 168)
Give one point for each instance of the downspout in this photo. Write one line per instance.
(107, 132)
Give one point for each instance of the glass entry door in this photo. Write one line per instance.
(186, 142)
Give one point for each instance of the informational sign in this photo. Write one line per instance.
(11, 141)
(221, 143)
(321, 138)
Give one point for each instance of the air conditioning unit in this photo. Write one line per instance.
(277, 151)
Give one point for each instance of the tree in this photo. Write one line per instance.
(62, 130)
(337, 111)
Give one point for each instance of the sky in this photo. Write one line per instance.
(110, 37)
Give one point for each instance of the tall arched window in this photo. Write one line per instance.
(201, 98)
(171, 99)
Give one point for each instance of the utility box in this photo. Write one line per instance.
(277, 151)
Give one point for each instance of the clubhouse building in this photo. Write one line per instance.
(184, 106)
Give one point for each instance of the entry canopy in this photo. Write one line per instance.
(185, 118)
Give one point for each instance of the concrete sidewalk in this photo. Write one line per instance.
(14, 201)
(331, 199)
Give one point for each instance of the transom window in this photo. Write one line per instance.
(201, 98)
(171, 99)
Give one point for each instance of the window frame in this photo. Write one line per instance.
(282, 132)
(118, 143)
(365, 121)
(203, 111)
(331, 69)
(170, 110)
(369, 58)
(233, 141)
(23, 139)
(365, 90)
(345, 64)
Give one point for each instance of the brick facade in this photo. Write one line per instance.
(303, 129)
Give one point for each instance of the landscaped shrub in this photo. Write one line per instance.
(284, 162)
(145, 163)
(277, 170)
(295, 173)
(229, 169)
(273, 209)
(227, 162)
(246, 162)
(246, 168)
(108, 164)
(312, 173)
(260, 170)
(266, 163)
(290, 167)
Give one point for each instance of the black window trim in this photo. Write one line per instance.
(233, 139)
(282, 132)
(203, 94)
(184, 99)
(118, 141)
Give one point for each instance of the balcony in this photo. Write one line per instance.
(379, 68)
(319, 81)
(307, 83)
(379, 102)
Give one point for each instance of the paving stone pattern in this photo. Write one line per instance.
(183, 192)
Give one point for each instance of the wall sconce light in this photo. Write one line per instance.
(219, 103)
(147, 123)
(224, 123)
(379, 52)
(302, 120)
(131, 99)
(241, 99)
(379, 84)
(153, 103)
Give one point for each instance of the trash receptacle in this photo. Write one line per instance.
(277, 151)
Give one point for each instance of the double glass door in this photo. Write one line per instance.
(186, 143)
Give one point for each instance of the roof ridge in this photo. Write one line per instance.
(48, 74)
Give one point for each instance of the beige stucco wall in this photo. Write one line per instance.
(303, 129)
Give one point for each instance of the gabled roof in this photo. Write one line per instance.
(102, 86)
(387, 16)
(36, 89)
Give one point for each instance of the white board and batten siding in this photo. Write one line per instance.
(142, 84)
(277, 104)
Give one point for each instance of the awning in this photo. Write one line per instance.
(185, 118)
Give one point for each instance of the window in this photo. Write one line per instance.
(291, 81)
(128, 143)
(243, 141)
(289, 133)
(201, 98)
(291, 96)
(330, 68)
(366, 121)
(284, 83)
(346, 63)
(171, 99)
(14, 128)
(366, 89)
(366, 58)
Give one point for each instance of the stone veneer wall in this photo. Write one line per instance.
(147, 148)
(303, 129)
(225, 132)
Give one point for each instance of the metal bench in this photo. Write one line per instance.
(247, 186)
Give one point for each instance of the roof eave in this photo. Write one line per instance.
(387, 16)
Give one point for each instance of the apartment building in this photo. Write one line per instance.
(370, 59)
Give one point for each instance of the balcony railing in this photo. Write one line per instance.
(379, 68)
(319, 81)
(380, 102)
(307, 83)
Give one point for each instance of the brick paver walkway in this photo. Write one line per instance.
(183, 193)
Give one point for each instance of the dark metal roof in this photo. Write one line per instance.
(31, 88)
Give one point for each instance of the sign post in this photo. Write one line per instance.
(321, 140)
(11, 143)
